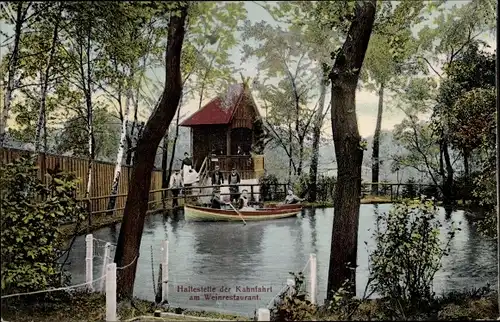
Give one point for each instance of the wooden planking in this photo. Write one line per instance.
(102, 175)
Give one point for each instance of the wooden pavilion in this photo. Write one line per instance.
(224, 133)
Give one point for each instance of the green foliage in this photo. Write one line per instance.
(30, 217)
(325, 187)
(295, 306)
(207, 67)
(410, 189)
(268, 187)
(74, 135)
(407, 255)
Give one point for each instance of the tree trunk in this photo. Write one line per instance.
(466, 156)
(130, 144)
(318, 122)
(119, 157)
(87, 82)
(164, 169)
(448, 184)
(44, 81)
(129, 240)
(164, 161)
(301, 157)
(174, 144)
(12, 68)
(348, 153)
(290, 156)
(376, 142)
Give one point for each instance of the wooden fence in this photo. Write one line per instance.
(102, 176)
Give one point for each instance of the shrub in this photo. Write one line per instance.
(30, 217)
(301, 185)
(268, 187)
(294, 307)
(408, 254)
(410, 189)
(325, 188)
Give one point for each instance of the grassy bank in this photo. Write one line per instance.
(461, 306)
(92, 307)
(471, 305)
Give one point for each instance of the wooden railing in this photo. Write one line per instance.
(242, 163)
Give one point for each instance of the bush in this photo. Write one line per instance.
(408, 254)
(301, 185)
(294, 307)
(268, 187)
(325, 188)
(410, 189)
(30, 217)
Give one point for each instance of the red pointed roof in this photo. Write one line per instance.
(215, 112)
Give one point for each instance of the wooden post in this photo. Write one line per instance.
(164, 275)
(105, 263)
(313, 276)
(263, 315)
(89, 212)
(159, 285)
(291, 286)
(111, 293)
(89, 243)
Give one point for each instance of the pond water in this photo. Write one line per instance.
(261, 254)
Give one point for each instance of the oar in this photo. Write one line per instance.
(239, 213)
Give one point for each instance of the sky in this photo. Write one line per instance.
(366, 101)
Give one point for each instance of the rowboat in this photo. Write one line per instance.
(196, 213)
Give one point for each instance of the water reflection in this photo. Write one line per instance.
(225, 246)
(231, 254)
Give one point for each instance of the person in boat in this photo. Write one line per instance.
(243, 201)
(176, 185)
(291, 198)
(216, 200)
(233, 180)
(217, 178)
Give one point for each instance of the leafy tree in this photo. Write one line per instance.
(19, 14)
(208, 44)
(74, 135)
(286, 89)
(387, 61)
(441, 44)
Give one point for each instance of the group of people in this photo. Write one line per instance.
(180, 181)
(241, 200)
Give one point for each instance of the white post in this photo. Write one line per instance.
(291, 286)
(164, 270)
(89, 265)
(111, 293)
(313, 276)
(105, 263)
(263, 315)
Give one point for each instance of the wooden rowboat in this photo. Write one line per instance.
(195, 213)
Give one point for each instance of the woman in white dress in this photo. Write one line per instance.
(243, 202)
